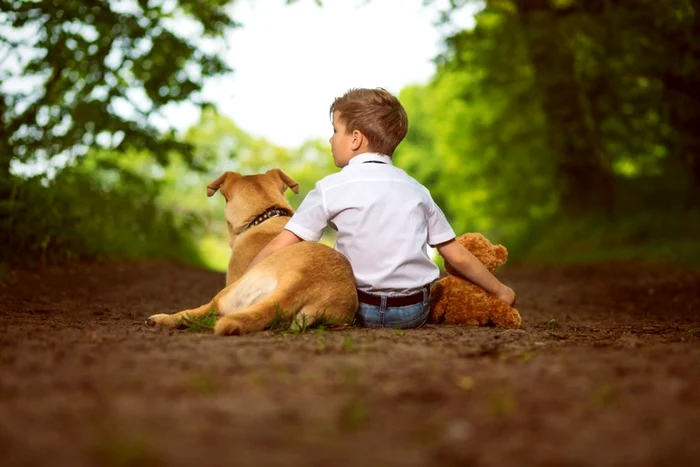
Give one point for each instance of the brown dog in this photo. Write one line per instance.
(303, 282)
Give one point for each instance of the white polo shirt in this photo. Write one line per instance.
(384, 218)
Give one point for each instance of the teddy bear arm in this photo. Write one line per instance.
(504, 316)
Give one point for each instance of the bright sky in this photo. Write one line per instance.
(291, 61)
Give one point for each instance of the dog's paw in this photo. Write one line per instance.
(160, 319)
(227, 327)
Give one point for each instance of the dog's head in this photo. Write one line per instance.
(248, 196)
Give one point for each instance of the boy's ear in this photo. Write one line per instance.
(284, 180)
(224, 183)
(357, 139)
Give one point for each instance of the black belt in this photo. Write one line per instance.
(404, 300)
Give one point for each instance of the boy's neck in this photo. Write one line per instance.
(366, 153)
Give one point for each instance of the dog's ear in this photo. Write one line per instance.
(224, 183)
(286, 181)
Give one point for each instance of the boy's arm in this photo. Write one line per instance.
(283, 239)
(471, 268)
(307, 223)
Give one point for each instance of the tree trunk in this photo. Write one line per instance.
(584, 179)
(683, 98)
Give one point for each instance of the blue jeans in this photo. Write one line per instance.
(401, 317)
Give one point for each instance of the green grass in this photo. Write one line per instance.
(203, 324)
(281, 321)
(290, 323)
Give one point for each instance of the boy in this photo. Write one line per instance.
(384, 218)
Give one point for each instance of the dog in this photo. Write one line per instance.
(302, 283)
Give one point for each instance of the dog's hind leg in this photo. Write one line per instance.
(238, 296)
(255, 317)
(179, 320)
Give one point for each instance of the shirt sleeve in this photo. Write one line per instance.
(439, 230)
(311, 218)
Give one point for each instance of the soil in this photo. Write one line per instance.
(604, 372)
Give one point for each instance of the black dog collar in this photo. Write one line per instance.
(269, 214)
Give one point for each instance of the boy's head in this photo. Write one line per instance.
(376, 114)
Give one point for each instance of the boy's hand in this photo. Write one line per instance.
(506, 295)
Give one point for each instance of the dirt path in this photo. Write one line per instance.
(613, 381)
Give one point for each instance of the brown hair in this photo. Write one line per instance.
(375, 113)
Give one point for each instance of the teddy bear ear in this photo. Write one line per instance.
(501, 254)
(463, 240)
(470, 241)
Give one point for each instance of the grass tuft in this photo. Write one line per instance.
(281, 321)
(292, 323)
(203, 324)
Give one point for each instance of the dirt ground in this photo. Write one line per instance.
(605, 372)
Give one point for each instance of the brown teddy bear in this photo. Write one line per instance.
(455, 300)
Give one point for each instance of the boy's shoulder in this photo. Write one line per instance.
(330, 180)
(344, 176)
(414, 182)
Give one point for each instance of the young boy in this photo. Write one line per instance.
(384, 218)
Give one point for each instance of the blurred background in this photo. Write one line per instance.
(568, 130)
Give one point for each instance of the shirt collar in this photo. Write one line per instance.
(370, 156)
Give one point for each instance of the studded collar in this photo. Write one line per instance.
(268, 214)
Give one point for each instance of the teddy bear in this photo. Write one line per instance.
(455, 300)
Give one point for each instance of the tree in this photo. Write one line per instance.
(98, 71)
(582, 166)
(616, 83)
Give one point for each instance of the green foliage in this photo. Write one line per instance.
(566, 130)
(655, 236)
(110, 204)
(83, 84)
(94, 209)
(224, 146)
(220, 142)
(99, 71)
